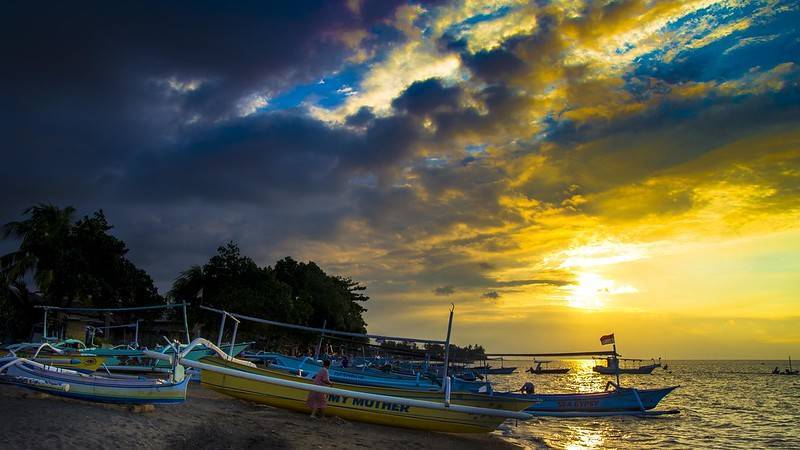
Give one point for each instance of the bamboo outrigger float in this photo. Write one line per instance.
(49, 355)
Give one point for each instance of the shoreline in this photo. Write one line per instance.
(206, 420)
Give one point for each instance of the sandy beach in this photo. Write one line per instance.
(206, 420)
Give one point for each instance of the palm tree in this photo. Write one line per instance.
(41, 236)
(188, 287)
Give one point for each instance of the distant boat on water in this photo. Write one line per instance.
(539, 370)
(789, 371)
(613, 367)
(502, 370)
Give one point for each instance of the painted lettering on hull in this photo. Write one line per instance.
(368, 404)
(577, 404)
(125, 360)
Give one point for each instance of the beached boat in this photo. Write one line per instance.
(241, 379)
(96, 388)
(613, 367)
(539, 370)
(308, 367)
(52, 356)
(461, 398)
(125, 358)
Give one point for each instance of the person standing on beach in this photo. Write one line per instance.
(316, 400)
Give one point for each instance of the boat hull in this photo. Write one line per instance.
(643, 370)
(608, 401)
(458, 398)
(84, 363)
(377, 412)
(66, 383)
(548, 371)
(499, 371)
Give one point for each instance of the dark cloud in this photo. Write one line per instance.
(135, 108)
(445, 290)
(361, 118)
(95, 85)
(494, 65)
(491, 295)
(427, 96)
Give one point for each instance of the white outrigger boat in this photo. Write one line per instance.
(105, 389)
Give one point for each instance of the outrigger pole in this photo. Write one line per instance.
(134, 325)
(47, 308)
(447, 349)
(566, 354)
(319, 330)
(321, 337)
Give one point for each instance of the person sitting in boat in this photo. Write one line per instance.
(776, 370)
(345, 362)
(527, 388)
(317, 400)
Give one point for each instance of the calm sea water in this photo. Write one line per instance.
(723, 404)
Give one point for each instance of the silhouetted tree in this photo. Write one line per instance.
(292, 292)
(72, 263)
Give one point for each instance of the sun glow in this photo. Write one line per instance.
(592, 291)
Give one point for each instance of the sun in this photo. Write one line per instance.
(592, 291)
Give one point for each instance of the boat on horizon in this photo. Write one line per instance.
(490, 370)
(613, 367)
(539, 370)
(788, 371)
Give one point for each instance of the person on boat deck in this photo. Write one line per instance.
(776, 370)
(345, 362)
(527, 388)
(316, 400)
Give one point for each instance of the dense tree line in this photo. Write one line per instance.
(66, 262)
(468, 353)
(292, 292)
(70, 263)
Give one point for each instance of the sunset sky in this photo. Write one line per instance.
(558, 170)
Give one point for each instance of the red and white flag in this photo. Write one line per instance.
(607, 339)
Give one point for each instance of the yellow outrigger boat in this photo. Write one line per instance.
(505, 403)
(351, 408)
(84, 363)
(242, 379)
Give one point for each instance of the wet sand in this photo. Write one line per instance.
(207, 420)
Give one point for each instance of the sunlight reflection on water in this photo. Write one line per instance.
(723, 404)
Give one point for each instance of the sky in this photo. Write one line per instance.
(558, 170)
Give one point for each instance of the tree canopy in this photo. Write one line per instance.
(293, 292)
(71, 263)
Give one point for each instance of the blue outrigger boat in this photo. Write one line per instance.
(614, 402)
(129, 359)
(308, 367)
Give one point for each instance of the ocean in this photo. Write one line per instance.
(723, 405)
